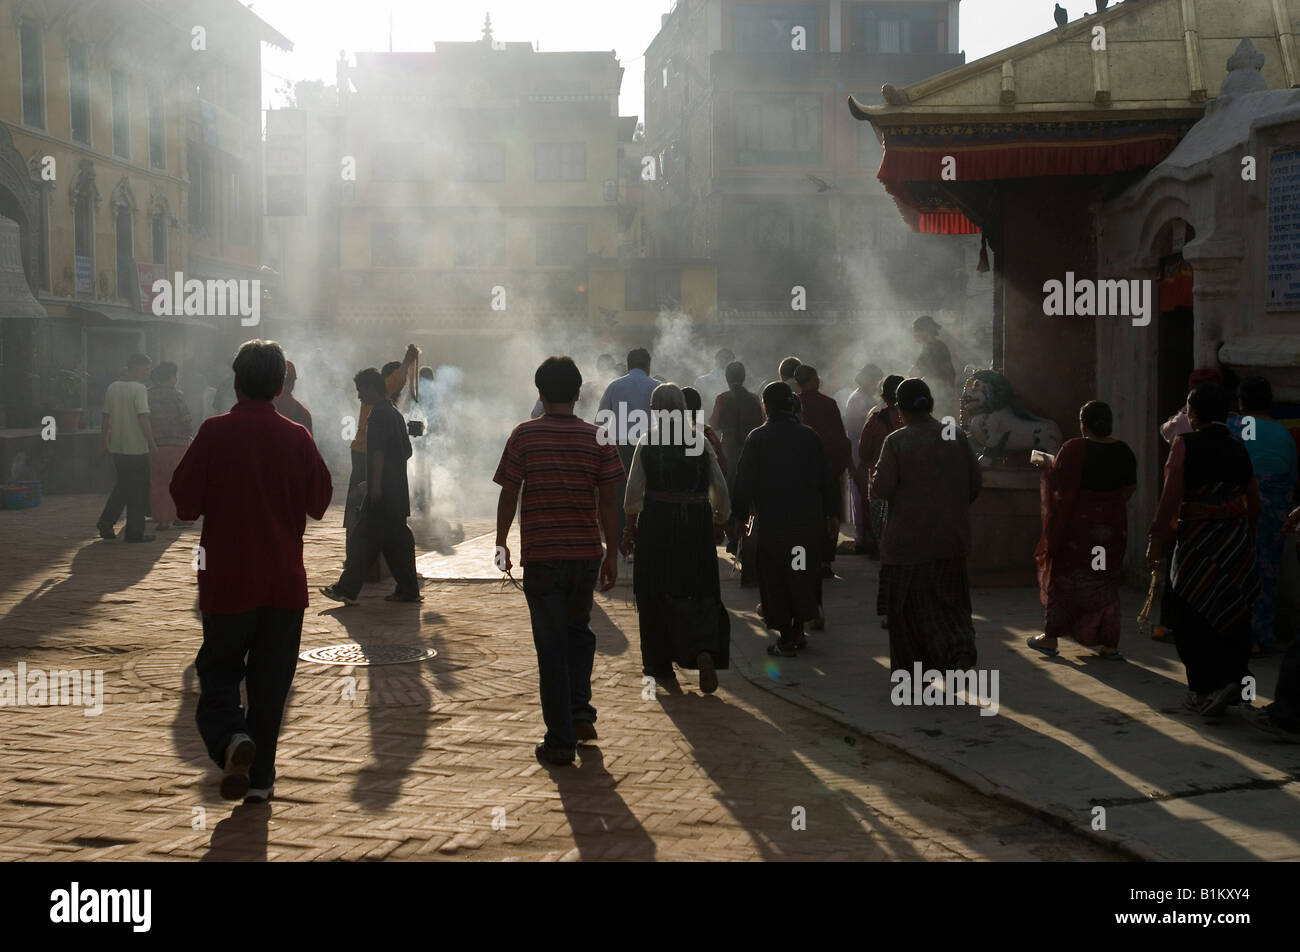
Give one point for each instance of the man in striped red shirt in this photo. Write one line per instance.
(563, 466)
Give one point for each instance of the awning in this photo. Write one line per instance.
(985, 151)
(119, 312)
(921, 159)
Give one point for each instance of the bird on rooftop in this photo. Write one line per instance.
(1102, 5)
(1062, 17)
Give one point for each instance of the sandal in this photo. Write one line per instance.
(1032, 641)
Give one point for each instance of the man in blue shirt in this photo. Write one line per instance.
(624, 397)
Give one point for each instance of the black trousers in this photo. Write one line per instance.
(260, 648)
(1212, 658)
(374, 534)
(1285, 710)
(130, 492)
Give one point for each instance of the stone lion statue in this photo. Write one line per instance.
(998, 424)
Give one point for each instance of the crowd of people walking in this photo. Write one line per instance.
(771, 475)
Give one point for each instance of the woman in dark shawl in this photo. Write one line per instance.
(930, 477)
(1210, 489)
(1085, 492)
(673, 502)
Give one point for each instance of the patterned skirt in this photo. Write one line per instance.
(929, 611)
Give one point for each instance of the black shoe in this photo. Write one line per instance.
(1265, 722)
(828, 572)
(1218, 702)
(708, 673)
(585, 730)
(668, 681)
(551, 755)
(105, 532)
(239, 757)
(783, 649)
(143, 538)
(801, 641)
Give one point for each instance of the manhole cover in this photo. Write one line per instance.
(371, 655)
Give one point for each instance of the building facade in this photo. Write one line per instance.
(130, 139)
(475, 192)
(760, 170)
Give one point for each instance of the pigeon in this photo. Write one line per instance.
(822, 184)
(1062, 17)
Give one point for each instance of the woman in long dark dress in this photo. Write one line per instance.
(673, 502)
(1210, 489)
(930, 482)
(1085, 493)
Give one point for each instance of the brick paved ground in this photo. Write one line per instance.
(423, 759)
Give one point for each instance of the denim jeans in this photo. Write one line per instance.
(261, 648)
(559, 598)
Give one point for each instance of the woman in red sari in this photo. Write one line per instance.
(1085, 492)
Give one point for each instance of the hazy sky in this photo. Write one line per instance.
(320, 28)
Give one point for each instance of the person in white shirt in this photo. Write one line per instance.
(709, 385)
(129, 438)
(627, 400)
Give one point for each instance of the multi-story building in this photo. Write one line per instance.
(761, 170)
(484, 188)
(130, 136)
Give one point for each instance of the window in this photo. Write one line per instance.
(481, 245)
(83, 244)
(32, 53)
(769, 27)
(560, 161)
(237, 217)
(777, 228)
(898, 28)
(79, 92)
(561, 243)
(778, 129)
(43, 245)
(481, 162)
(395, 245)
(200, 195)
(121, 116)
(127, 280)
(83, 238)
(398, 162)
(652, 290)
(157, 133)
(158, 228)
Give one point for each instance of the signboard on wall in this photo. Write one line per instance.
(85, 275)
(1283, 261)
(147, 275)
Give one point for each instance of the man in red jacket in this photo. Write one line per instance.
(822, 414)
(255, 477)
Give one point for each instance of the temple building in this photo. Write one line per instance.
(1152, 143)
